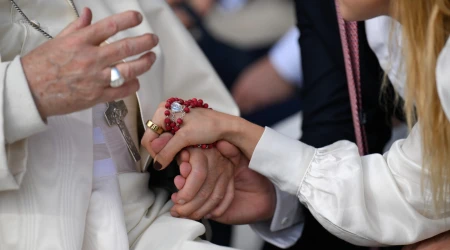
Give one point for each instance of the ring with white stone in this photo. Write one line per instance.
(117, 79)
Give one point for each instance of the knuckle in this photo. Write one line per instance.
(112, 26)
(104, 76)
(217, 213)
(72, 41)
(199, 173)
(216, 198)
(203, 194)
(126, 47)
(145, 142)
(196, 216)
(126, 71)
(187, 196)
(182, 212)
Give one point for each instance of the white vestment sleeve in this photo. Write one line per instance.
(373, 200)
(20, 119)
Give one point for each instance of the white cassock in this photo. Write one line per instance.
(70, 183)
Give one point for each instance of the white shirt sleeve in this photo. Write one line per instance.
(286, 58)
(286, 226)
(19, 119)
(373, 200)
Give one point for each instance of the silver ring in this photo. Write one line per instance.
(117, 79)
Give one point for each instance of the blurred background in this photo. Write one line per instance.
(253, 46)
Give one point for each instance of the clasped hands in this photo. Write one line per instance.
(213, 183)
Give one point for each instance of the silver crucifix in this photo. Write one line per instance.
(115, 114)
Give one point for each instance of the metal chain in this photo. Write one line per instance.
(35, 25)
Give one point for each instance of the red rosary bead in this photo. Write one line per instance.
(174, 126)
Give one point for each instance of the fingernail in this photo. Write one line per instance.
(157, 166)
(174, 214)
(140, 17)
(208, 216)
(152, 57)
(155, 38)
(181, 202)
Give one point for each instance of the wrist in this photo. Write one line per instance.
(242, 133)
(32, 85)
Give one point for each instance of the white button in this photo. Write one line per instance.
(284, 221)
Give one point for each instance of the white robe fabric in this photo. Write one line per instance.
(46, 169)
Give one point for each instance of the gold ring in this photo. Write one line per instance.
(157, 129)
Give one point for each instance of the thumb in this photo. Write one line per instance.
(229, 151)
(84, 20)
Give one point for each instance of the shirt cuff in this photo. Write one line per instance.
(282, 159)
(287, 224)
(286, 58)
(22, 118)
(288, 211)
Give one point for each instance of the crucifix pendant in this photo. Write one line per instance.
(115, 114)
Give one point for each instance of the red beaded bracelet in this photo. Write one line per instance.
(176, 106)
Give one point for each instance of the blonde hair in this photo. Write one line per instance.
(425, 30)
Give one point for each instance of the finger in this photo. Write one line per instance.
(167, 154)
(185, 170)
(225, 204)
(183, 156)
(150, 136)
(200, 206)
(117, 51)
(132, 69)
(179, 182)
(196, 180)
(173, 197)
(123, 91)
(229, 151)
(84, 20)
(173, 2)
(161, 141)
(99, 32)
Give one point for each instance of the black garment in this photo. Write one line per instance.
(327, 116)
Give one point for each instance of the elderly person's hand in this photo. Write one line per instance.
(254, 198)
(72, 72)
(210, 190)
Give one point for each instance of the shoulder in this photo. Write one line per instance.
(443, 78)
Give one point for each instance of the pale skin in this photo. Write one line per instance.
(207, 126)
(259, 86)
(72, 71)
